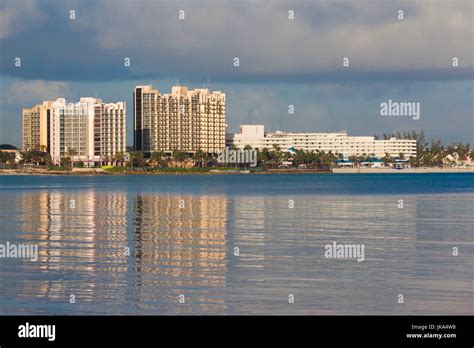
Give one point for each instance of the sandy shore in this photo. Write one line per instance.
(401, 171)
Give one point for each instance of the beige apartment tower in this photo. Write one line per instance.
(185, 120)
(35, 126)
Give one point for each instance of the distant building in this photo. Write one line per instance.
(337, 143)
(94, 131)
(456, 160)
(12, 150)
(253, 135)
(451, 158)
(8, 148)
(185, 120)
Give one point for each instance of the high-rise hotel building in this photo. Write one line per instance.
(35, 126)
(185, 120)
(89, 130)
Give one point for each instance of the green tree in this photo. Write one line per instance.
(65, 162)
(299, 158)
(71, 153)
(199, 157)
(47, 159)
(276, 154)
(157, 156)
(7, 157)
(387, 159)
(136, 159)
(354, 159)
(118, 157)
(36, 156)
(179, 156)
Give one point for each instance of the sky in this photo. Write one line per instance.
(289, 52)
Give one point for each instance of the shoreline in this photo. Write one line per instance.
(418, 170)
(102, 172)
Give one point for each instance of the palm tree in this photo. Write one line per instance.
(299, 157)
(179, 156)
(157, 156)
(276, 154)
(24, 156)
(354, 160)
(199, 157)
(47, 159)
(71, 153)
(65, 162)
(7, 157)
(328, 158)
(132, 156)
(118, 157)
(386, 159)
(136, 157)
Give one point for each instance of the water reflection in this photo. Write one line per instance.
(81, 238)
(126, 252)
(179, 248)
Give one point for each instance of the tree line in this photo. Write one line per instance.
(429, 153)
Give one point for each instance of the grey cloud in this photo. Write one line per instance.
(269, 45)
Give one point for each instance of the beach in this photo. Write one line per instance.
(401, 171)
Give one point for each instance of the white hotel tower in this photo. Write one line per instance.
(94, 131)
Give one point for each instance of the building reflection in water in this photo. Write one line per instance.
(183, 244)
(180, 248)
(177, 246)
(81, 237)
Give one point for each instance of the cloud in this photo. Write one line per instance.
(270, 46)
(267, 42)
(282, 61)
(22, 92)
(19, 15)
(270, 106)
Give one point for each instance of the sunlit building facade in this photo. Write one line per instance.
(185, 120)
(89, 131)
(35, 126)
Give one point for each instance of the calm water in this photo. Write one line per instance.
(182, 230)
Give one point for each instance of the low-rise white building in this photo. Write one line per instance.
(337, 143)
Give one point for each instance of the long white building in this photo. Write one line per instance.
(337, 143)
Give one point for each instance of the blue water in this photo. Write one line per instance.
(181, 232)
(277, 184)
